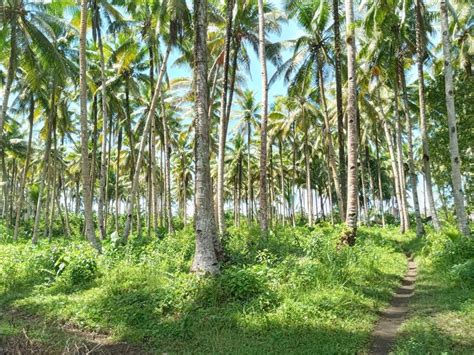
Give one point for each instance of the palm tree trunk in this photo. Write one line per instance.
(117, 179)
(352, 136)
(263, 124)
(282, 181)
(401, 165)
(379, 175)
(453, 136)
(138, 163)
(86, 177)
(103, 158)
(293, 179)
(10, 72)
(223, 120)
(309, 196)
(340, 115)
(364, 191)
(167, 152)
(47, 152)
(19, 203)
(396, 179)
(205, 258)
(420, 49)
(411, 161)
(249, 176)
(331, 152)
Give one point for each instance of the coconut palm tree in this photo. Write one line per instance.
(352, 135)
(453, 135)
(205, 257)
(420, 58)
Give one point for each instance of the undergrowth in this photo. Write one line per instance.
(294, 291)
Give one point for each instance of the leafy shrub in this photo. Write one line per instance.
(75, 267)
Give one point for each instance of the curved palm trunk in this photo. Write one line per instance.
(352, 136)
(205, 258)
(19, 203)
(411, 164)
(144, 138)
(423, 126)
(263, 126)
(223, 121)
(453, 136)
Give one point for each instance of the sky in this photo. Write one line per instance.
(289, 30)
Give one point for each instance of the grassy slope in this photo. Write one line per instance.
(293, 293)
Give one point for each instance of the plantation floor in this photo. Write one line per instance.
(22, 333)
(293, 293)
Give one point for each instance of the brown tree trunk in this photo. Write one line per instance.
(458, 193)
(205, 258)
(420, 49)
(223, 120)
(24, 173)
(352, 136)
(263, 125)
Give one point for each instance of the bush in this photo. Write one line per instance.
(75, 266)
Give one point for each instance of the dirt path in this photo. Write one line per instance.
(385, 332)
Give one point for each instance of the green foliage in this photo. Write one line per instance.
(295, 289)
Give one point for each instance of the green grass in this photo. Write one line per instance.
(441, 319)
(293, 292)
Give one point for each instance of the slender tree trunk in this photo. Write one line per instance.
(150, 116)
(420, 49)
(47, 152)
(458, 193)
(411, 160)
(379, 176)
(405, 224)
(103, 158)
(309, 196)
(331, 153)
(293, 179)
(167, 156)
(205, 258)
(249, 175)
(364, 192)
(86, 177)
(117, 179)
(10, 72)
(263, 125)
(393, 161)
(340, 115)
(24, 173)
(223, 120)
(282, 181)
(352, 136)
